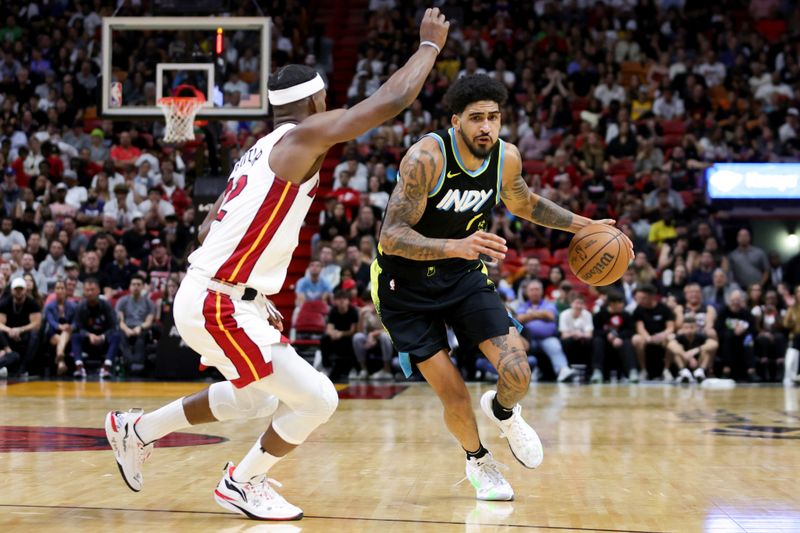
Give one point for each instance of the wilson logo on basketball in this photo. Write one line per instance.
(605, 260)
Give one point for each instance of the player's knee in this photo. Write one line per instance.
(322, 405)
(331, 396)
(224, 402)
(514, 372)
(229, 403)
(265, 406)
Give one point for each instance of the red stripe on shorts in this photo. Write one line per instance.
(237, 346)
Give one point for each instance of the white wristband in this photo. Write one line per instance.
(431, 44)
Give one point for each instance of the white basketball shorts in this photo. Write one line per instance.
(230, 334)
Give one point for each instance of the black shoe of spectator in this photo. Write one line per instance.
(753, 377)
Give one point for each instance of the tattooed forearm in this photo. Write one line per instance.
(551, 215)
(405, 208)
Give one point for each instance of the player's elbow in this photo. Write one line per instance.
(387, 241)
(391, 105)
(519, 209)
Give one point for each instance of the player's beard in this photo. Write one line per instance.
(474, 149)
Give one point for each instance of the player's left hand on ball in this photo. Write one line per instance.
(612, 222)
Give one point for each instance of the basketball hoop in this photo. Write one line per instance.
(179, 113)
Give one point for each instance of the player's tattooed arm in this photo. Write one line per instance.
(524, 203)
(407, 204)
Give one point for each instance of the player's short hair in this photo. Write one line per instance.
(289, 76)
(474, 88)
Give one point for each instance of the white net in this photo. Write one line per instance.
(179, 113)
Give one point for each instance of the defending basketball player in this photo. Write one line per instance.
(221, 309)
(429, 272)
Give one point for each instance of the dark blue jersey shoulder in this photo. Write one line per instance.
(461, 201)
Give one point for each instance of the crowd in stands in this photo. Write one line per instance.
(617, 108)
(97, 216)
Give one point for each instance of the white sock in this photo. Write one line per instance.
(163, 421)
(255, 463)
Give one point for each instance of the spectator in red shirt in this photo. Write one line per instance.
(560, 165)
(55, 164)
(349, 197)
(87, 168)
(124, 153)
(19, 167)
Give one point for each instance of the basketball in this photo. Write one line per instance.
(598, 254)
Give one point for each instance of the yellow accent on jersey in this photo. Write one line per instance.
(473, 219)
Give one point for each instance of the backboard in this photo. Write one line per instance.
(146, 58)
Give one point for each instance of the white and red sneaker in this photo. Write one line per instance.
(129, 450)
(255, 499)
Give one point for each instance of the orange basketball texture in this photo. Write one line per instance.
(598, 255)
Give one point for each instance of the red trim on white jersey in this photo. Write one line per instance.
(277, 203)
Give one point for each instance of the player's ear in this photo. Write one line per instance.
(455, 121)
(312, 105)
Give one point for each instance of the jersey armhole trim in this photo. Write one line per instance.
(500, 170)
(440, 181)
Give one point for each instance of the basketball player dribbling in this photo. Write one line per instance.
(221, 309)
(429, 271)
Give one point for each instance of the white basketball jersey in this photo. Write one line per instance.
(257, 229)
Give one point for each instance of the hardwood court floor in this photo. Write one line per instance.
(617, 458)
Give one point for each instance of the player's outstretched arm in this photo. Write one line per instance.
(418, 171)
(321, 131)
(524, 203)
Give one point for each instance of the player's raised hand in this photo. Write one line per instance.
(434, 27)
(482, 243)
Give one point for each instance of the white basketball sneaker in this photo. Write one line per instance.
(255, 499)
(522, 439)
(129, 450)
(489, 483)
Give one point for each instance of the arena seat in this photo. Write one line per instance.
(542, 254)
(623, 166)
(561, 258)
(618, 181)
(534, 167)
